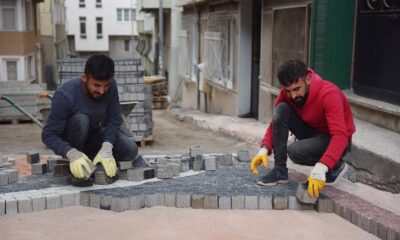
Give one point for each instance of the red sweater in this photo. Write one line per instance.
(326, 110)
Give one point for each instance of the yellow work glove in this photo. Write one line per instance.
(106, 158)
(261, 157)
(316, 180)
(79, 164)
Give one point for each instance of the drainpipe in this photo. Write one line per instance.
(160, 38)
(173, 80)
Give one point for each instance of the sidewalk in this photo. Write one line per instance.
(374, 144)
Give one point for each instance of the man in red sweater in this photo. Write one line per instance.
(319, 115)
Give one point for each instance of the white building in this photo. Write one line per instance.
(102, 26)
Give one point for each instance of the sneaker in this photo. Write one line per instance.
(337, 172)
(274, 177)
(77, 182)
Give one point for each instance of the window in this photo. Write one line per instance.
(126, 45)
(82, 3)
(12, 70)
(82, 22)
(99, 27)
(8, 15)
(31, 67)
(28, 16)
(126, 14)
(98, 3)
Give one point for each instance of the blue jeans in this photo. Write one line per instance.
(309, 146)
(89, 140)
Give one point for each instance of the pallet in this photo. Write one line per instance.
(145, 141)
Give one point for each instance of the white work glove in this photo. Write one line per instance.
(105, 157)
(319, 171)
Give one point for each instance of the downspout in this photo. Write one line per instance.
(173, 79)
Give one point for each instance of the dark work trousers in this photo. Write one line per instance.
(309, 146)
(79, 135)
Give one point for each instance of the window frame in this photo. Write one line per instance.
(83, 34)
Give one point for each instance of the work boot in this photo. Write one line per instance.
(337, 172)
(274, 177)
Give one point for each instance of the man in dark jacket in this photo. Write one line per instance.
(319, 116)
(84, 122)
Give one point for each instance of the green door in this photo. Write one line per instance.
(332, 28)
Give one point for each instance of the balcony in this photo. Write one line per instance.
(151, 5)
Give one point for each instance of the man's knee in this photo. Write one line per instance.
(296, 154)
(127, 149)
(281, 111)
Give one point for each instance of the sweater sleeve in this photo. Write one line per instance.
(334, 113)
(113, 116)
(51, 133)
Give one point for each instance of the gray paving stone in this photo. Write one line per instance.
(11, 205)
(24, 204)
(238, 202)
(12, 175)
(161, 161)
(150, 200)
(280, 202)
(3, 179)
(52, 162)
(170, 200)
(198, 163)
(53, 201)
(225, 202)
(160, 199)
(265, 202)
(165, 171)
(294, 203)
(325, 205)
(32, 157)
(123, 174)
(175, 168)
(94, 200)
(210, 163)
(38, 168)
(228, 160)
(136, 202)
(84, 198)
(210, 201)
(197, 201)
(149, 172)
(135, 174)
(38, 203)
(124, 165)
(69, 199)
(183, 200)
(251, 202)
(119, 203)
(2, 207)
(105, 202)
(185, 164)
(61, 170)
(302, 194)
(195, 150)
(243, 156)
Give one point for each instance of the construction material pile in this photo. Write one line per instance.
(159, 87)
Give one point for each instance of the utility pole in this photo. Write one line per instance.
(160, 39)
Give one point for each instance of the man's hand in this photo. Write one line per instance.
(316, 180)
(79, 164)
(106, 158)
(261, 157)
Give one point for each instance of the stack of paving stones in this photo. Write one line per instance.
(159, 87)
(8, 175)
(131, 88)
(230, 186)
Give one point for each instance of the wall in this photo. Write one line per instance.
(17, 43)
(117, 47)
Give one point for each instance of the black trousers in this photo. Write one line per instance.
(79, 135)
(309, 146)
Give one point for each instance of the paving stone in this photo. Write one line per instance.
(175, 168)
(161, 161)
(94, 200)
(243, 156)
(38, 203)
(119, 203)
(11, 205)
(12, 175)
(160, 199)
(392, 234)
(210, 201)
(170, 200)
(39, 168)
(136, 202)
(210, 164)
(265, 202)
(24, 204)
(325, 204)
(124, 165)
(198, 163)
(53, 201)
(228, 160)
(382, 231)
(251, 202)
(32, 157)
(238, 202)
(2, 207)
(185, 164)
(105, 202)
(135, 174)
(302, 194)
(195, 150)
(183, 200)
(294, 203)
(149, 173)
(197, 201)
(69, 199)
(123, 174)
(338, 209)
(84, 198)
(61, 169)
(11, 161)
(364, 223)
(150, 200)
(52, 162)
(3, 179)
(5, 165)
(165, 171)
(224, 202)
(280, 202)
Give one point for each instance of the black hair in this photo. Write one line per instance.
(100, 67)
(291, 71)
